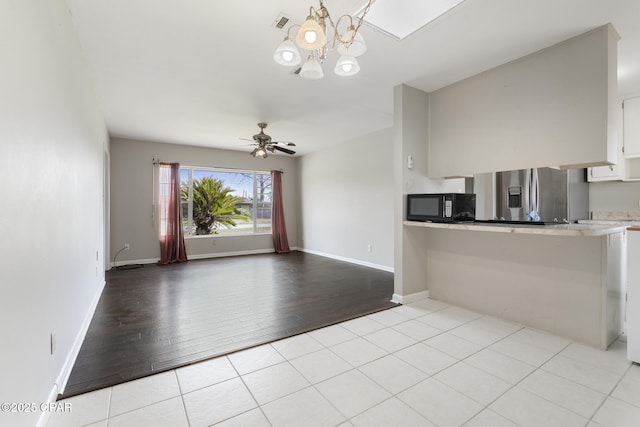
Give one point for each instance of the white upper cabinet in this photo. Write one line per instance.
(631, 127)
(555, 107)
(605, 173)
(617, 171)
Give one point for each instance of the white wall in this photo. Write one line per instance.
(132, 201)
(410, 133)
(555, 107)
(346, 197)
(615, 196)
(52, 142)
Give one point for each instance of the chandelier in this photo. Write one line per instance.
(319, 34)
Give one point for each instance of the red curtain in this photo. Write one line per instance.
(280, 241)
(172, 247)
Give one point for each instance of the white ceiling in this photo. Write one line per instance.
(200, 72)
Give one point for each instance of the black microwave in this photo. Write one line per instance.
(441, 207)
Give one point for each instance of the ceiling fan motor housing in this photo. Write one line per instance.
(264, 143)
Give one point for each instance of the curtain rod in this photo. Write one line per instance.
(156, 162)
(227, 168)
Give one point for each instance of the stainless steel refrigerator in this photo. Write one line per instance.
(542, 195)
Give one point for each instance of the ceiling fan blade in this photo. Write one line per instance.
(284, 150)
(287, 143)
(246, 139)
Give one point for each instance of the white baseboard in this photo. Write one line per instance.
(260, 251)
(196, 256)
(44, 416)
(408, 299)
(350, 260)
(135, 261)
(65, 372)
(63, 377)
(226, 254)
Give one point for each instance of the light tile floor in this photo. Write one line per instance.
(421, 364)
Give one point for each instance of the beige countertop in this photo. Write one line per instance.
(629, 222)
(584, 230)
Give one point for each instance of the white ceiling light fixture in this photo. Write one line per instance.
(311, 70)
(287, 53)
(319, 34)
(347, 66)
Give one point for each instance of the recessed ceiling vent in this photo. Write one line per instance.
(281, 21)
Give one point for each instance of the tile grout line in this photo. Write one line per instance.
(610, 393)
(395, 395)
(259, 406)
(184, 404)
(487, 407)
(486, 347)
(312, 385)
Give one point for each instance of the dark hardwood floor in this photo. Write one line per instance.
(158, 318)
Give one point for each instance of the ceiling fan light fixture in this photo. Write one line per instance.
(287, 53)
(311, 69)
(260, 152)
(347, 66)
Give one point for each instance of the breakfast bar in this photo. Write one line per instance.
(566, 279)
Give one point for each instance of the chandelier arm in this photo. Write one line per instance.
(321, 54)
(291, 27)
(366, 10)
(337, 34)
(323, 13)
(357, 27)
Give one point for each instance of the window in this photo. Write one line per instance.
(225, 202)
(163, 198)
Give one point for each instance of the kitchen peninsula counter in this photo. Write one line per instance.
(584, 230)
(566, 279)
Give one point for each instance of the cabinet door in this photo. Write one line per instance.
(604, 173)
(633, 296)
(631, 127)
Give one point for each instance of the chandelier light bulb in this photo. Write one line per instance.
(347, 66)
(311, 70)
(356, 48)
(311, 35)
(287, 53)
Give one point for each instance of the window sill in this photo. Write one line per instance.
(217, 236)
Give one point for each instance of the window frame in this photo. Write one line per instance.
(255, 229)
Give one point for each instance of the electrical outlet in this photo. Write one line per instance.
(52, 342)
(126, 246)
(369, 248)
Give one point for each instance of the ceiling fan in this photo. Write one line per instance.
(263, 143)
